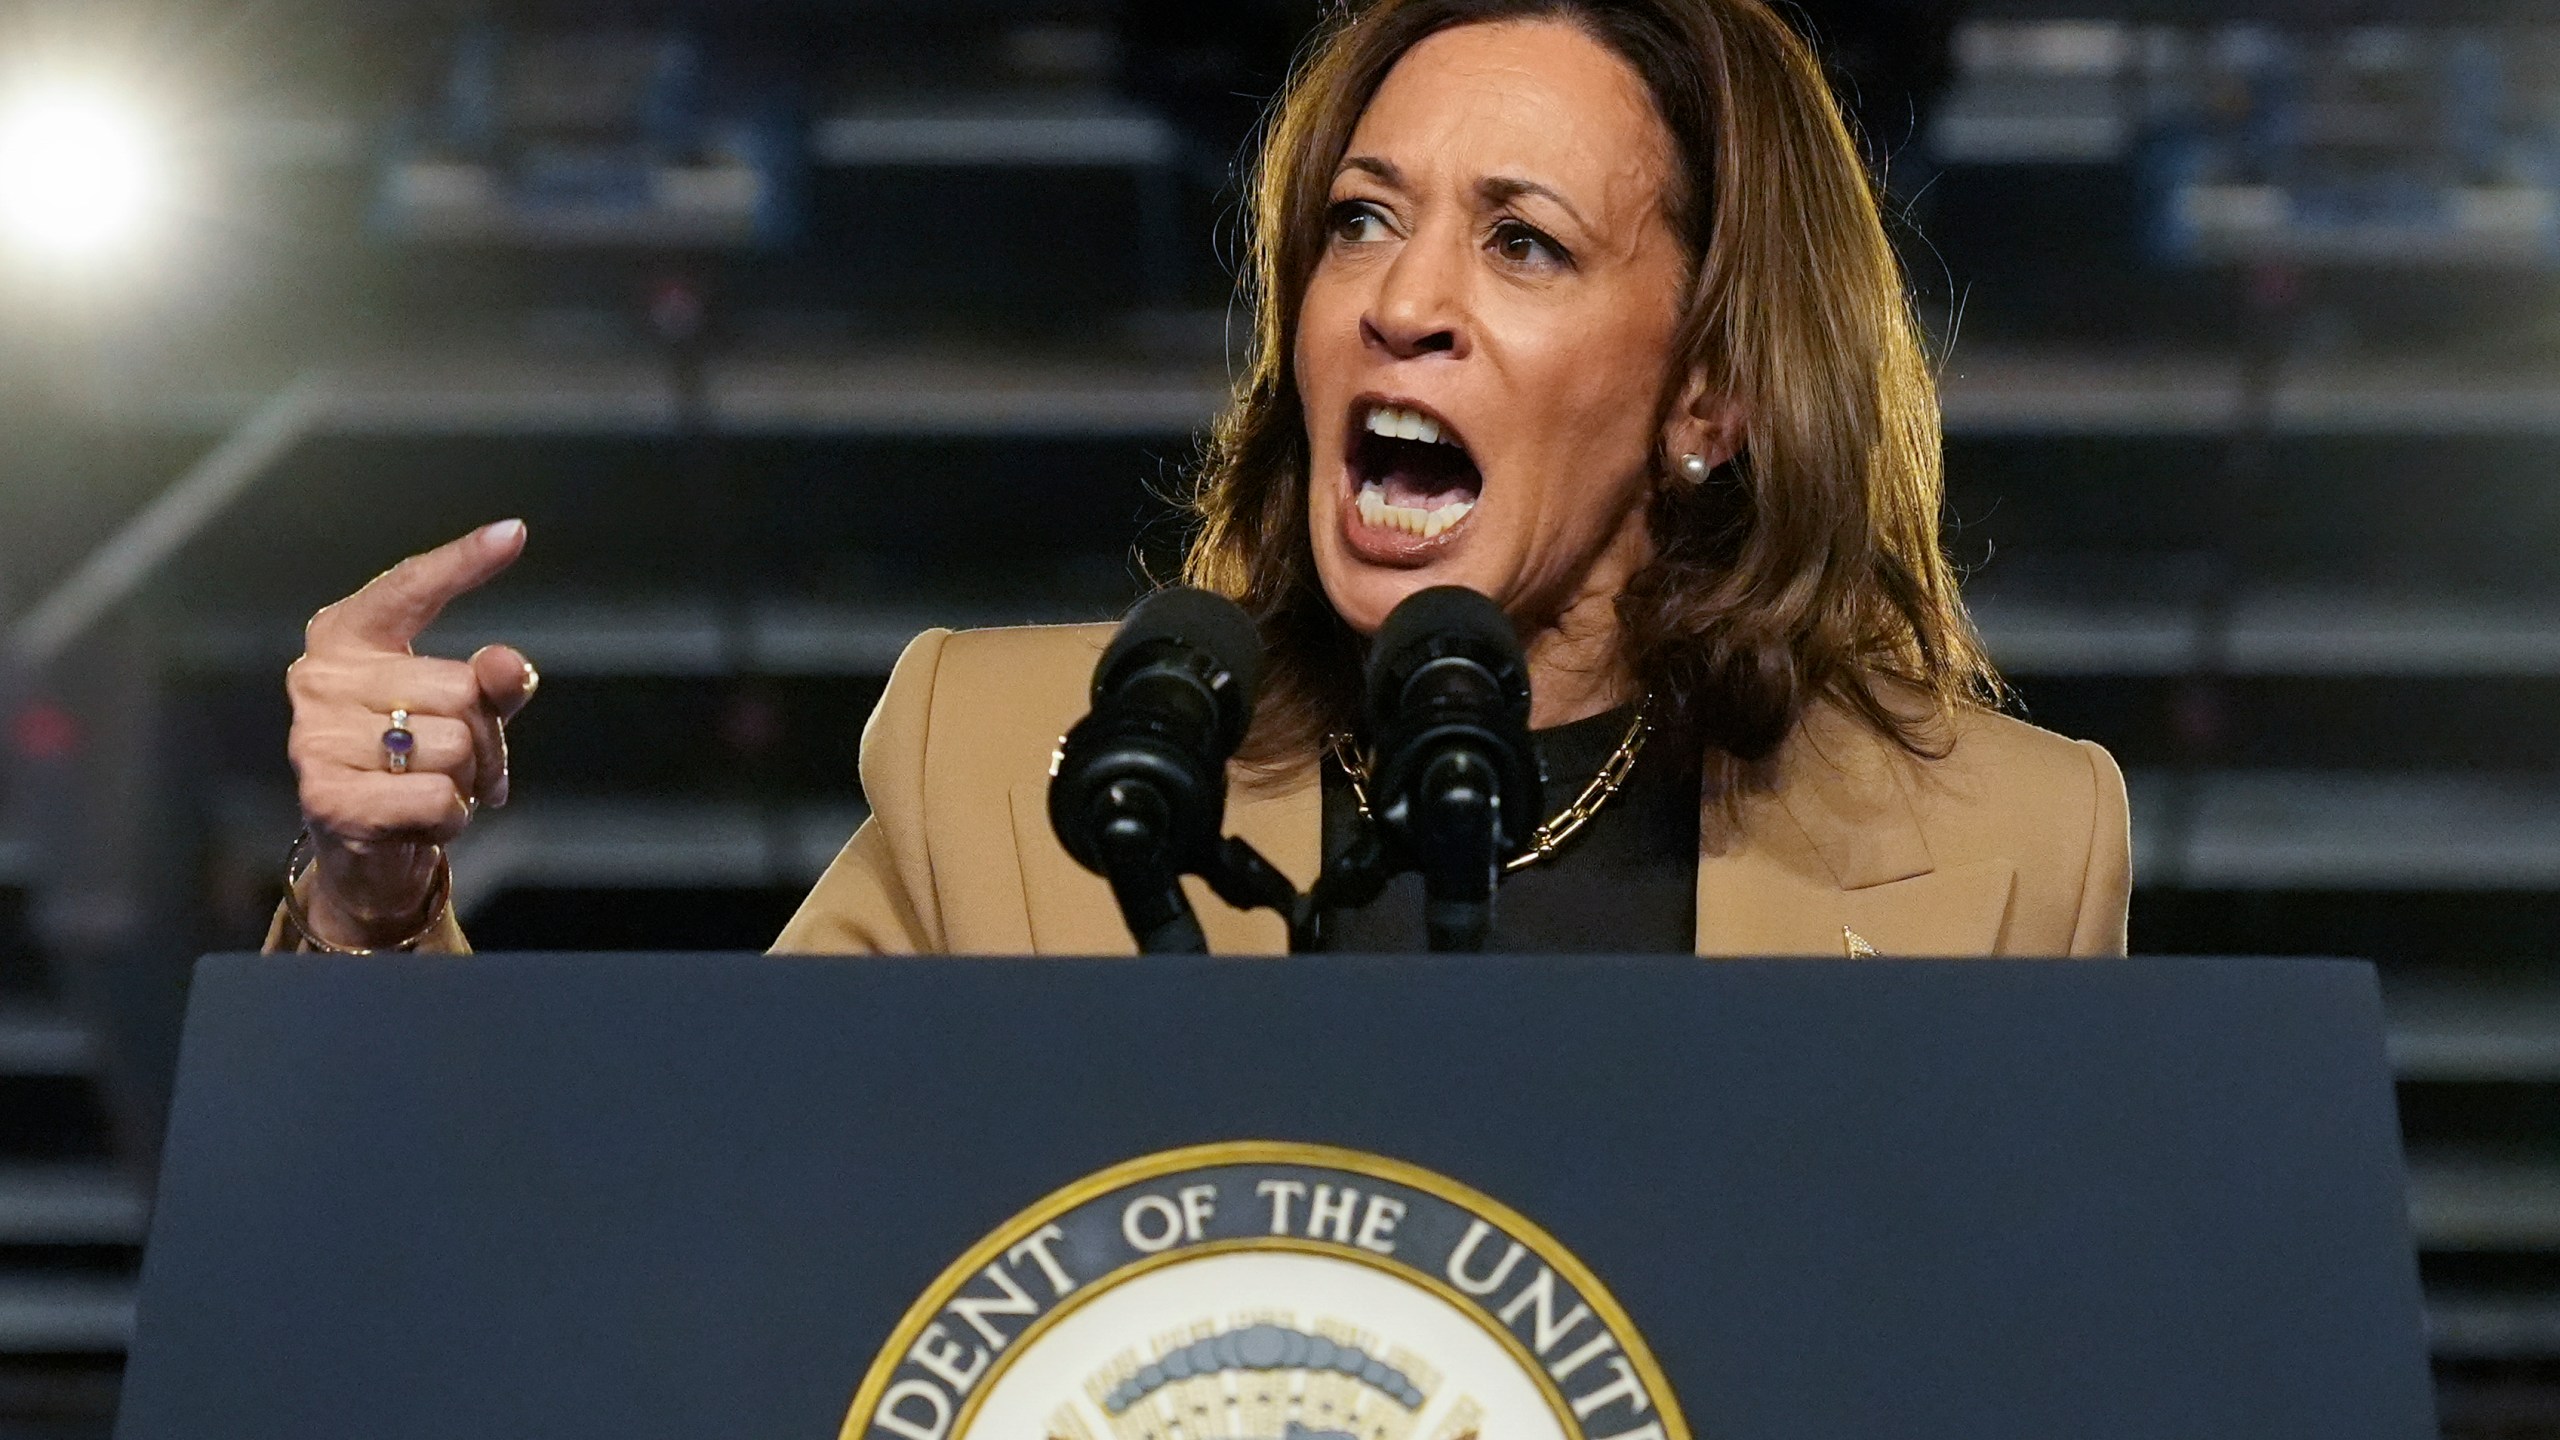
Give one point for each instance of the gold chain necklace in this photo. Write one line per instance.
(1560, 827)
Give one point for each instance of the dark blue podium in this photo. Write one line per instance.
(1157, 1199)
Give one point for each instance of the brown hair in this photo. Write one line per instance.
(1809, 569)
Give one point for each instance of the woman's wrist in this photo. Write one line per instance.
(357, 902)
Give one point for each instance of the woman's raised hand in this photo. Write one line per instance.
(376, 829)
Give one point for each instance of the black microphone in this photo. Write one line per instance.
(1138, 789)
(1456, 779)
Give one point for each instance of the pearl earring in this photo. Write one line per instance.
(1695, 469)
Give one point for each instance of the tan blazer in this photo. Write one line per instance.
(2015, 843)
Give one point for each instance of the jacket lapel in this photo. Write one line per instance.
(1070, 907)
(1833, 855)
(1959, 911)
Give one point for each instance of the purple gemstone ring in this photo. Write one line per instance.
(398, 744)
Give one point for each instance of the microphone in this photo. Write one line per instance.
(1138, 789)
(1456, 783)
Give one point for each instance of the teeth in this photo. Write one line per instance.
(1401, 424)
(1411, 519)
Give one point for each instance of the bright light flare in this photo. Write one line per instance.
(82, 170)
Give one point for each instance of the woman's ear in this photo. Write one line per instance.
(1709, 422)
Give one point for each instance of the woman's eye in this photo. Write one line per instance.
(1520, 245)
(1357, 222)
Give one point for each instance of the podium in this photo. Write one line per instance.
(1406, 1198)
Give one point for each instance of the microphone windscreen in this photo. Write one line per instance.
(1199, 620)
(1443, 620)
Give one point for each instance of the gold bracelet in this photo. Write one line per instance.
(298, 864)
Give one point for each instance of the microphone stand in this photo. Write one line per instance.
(1136, 855)
(1137, 859)
(1445, 822)
(1458, 875)
(1457, 859)
(1351, 879)
(1458, 814)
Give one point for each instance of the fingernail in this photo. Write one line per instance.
(532, 679)
(501, 534)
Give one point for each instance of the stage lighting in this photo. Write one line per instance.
(82, 171)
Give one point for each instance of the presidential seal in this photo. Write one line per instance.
(1266, 1291)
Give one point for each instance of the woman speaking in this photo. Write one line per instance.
(1584, 305)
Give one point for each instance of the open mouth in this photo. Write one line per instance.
(1409, 471)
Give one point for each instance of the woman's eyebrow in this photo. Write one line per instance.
(1384, 170)
(1493, 189)
(1503, 189)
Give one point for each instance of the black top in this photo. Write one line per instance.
(1626, 882)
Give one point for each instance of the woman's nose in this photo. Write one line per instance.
(1420, 306)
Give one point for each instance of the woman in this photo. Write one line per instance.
(1582, 304)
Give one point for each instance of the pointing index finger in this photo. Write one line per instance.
(397, 604)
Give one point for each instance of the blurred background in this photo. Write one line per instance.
(794, 327)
